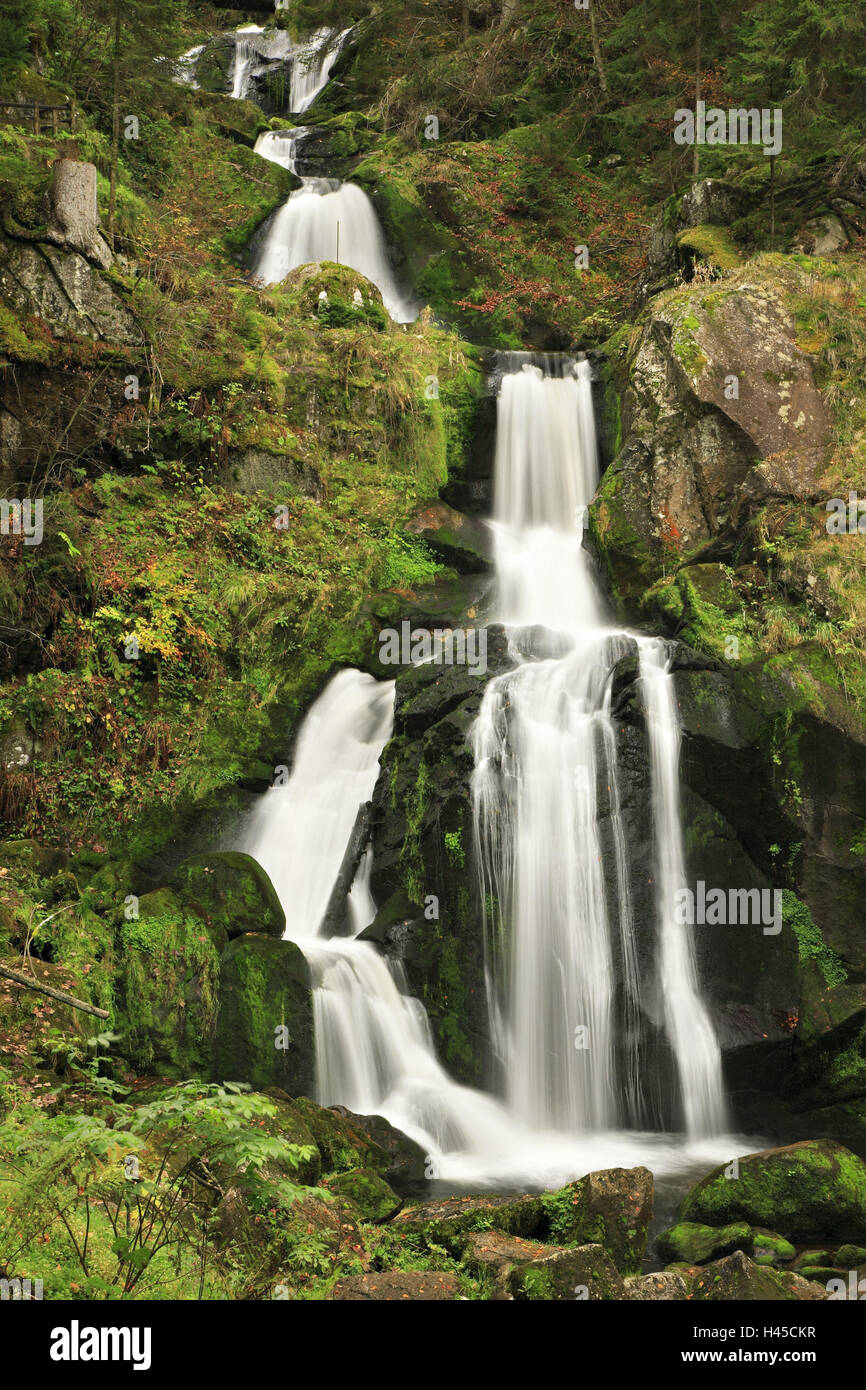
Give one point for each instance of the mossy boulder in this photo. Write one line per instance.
(264, 1032)
(167, 981)
(737, 1279)
(697, 1245)
(612, 1208)
(527, 1270)
(449, 1222)
(232, 891)
(349, 1141)
(814, 1188)
(369, 1193)
(771, 1249)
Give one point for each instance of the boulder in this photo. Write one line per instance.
(369, 1194)
(450, 1222)
(814, 1188)
(528, 1270)
(612, 1208)
(232, 891)
(264, 1031)
(737, 1279)
(697, 1245)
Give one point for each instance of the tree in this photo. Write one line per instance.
(136, 45)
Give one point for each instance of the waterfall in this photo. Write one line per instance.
(374, 1051)
(326, 220)
(561, 934)
(311, 66)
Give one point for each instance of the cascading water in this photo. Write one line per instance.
(545, 751)
(374, 1052)
(564, 979)
(325, 219)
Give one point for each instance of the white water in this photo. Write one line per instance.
(374, 1051)
(545, 753)
(324, 219)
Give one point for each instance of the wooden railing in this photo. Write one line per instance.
(44, 118)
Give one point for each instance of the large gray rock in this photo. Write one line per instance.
(65, 291)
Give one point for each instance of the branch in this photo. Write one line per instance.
(54, 993)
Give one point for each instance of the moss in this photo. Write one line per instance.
(694, 1244)
(816, 1188)
(368, 1192)
(712, 244)
(810, 943)
(168, 974)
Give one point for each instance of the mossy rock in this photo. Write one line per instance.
(526, 1270)
(736, 1278)
(612, 1208)
(167, 982)
(368, 1192)
(698, 1245)
(231, 890)
(32, 857)
(814, 1188)
(450, 1222)
(264, 1032)
(851, 1256)
(771, 1249)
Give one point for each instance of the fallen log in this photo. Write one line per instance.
(58, 994)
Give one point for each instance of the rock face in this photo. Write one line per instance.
(265, 989)
(423, 874)
(718, 403)
(73, 215)
(815, 1188)
(65, 291)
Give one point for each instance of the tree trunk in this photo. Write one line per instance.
(115, 125)
(696, 161)
(596, 47)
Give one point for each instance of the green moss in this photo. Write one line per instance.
(712, 244)
(810, 943)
